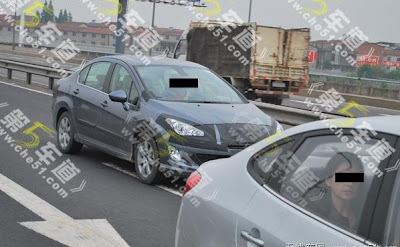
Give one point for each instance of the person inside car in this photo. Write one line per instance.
(338, 204)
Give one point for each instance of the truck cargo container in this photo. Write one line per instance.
(264, 62)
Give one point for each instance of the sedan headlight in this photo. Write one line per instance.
(184, 129)
(279, 127)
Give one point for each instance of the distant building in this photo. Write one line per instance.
(378, 54)
(333, 55)
(93, 36)
(391, 59)
(370, 54)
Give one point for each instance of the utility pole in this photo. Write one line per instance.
(152, 21)
(13, 25)
(119, 45)
(250, 9)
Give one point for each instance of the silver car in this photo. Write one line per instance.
(326, 183)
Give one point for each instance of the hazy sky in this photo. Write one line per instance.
(377, 19)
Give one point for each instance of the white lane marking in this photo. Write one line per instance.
(3, 104)
(129, 173)
(170, 190)
(80, 188)
(314, 85)
(58, 225)
(25, 88)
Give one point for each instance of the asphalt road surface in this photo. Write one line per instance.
(40, 205)
(141, 215)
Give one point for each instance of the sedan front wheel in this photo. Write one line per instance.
(147, 162)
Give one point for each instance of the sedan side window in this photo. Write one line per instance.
(134, 95)
(321, 175)
(96, 77)
(83, 75)
(122, 80)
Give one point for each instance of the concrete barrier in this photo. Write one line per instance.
(386, 91)
(363, 100)
(290, 116)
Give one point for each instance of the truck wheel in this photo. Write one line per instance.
(271, 99)
(278, 101)
(250, 94)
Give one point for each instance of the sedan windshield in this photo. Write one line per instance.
(211, 89)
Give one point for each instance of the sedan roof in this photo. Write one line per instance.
(384, 124)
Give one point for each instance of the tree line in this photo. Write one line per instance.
(375, 72)
(47, 14)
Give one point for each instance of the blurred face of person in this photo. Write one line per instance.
(344, 191)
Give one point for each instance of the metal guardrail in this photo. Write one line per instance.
(82, 51)
(32, 69)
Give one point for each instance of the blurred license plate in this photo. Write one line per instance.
(278, 84)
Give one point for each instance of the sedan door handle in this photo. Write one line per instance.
(104, 104)
(248, 237)
(76, 91)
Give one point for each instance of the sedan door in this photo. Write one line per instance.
(385, 229)
(112, 126)
(297, 199)
(86, 94)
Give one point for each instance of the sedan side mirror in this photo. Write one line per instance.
(118, 96)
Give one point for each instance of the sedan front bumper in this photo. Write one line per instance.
(191, 159)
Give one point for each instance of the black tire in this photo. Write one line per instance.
(150, 173)
(250, 94)
(266, 99)
(271, 99)
(65, 135)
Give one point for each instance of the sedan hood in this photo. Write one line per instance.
(202, 113)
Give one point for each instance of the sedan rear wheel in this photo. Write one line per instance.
(147, 162)
(65, 135)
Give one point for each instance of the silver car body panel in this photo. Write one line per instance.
(228, 201)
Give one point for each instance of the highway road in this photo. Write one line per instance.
(103, 197)
(298, 102)
(141, 215)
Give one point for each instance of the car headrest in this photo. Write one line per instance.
(101, 78)
(127, 79)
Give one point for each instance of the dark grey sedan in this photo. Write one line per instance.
(146, 114)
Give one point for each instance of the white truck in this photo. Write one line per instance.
(272, 68)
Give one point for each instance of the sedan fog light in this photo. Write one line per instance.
(175, 154)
